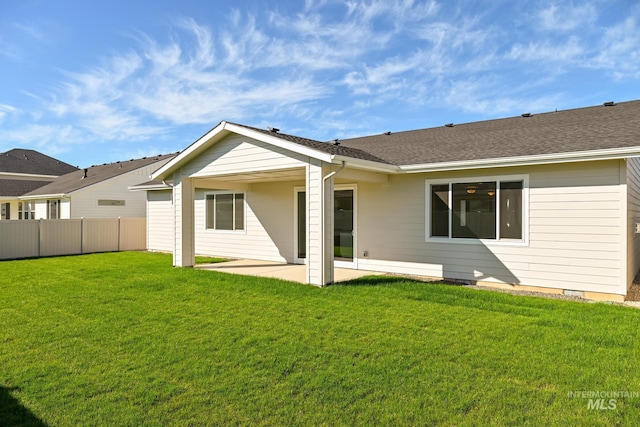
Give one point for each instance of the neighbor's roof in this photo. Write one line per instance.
(32, 162)
(74, 181)
(18, 187)
(569, 131)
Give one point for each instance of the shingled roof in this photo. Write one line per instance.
(32, 162)
(76, 180)
(18, 187)
(583, 129)
(326, 147)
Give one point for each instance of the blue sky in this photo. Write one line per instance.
(96, 82)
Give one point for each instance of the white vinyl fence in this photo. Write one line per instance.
(51, 237)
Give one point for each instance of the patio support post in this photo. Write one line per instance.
(319, 224)
(183, 198)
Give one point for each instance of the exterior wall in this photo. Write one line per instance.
(239, 154)
(84, 202)
(160, 226)
(41, 209)
(269, 225)
(13, 208)
(575, 231)
(633, 217)
(65, 209)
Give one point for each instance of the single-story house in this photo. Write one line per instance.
(544, 202)
(23, 171)
(100, 191)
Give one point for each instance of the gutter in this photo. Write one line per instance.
(45, 196)
(329, 175)
(540, 159)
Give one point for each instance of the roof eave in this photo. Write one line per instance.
(541, 159)
(149, 187)
(222, 130)
(29, 175)
(44, 196)
(366, 164)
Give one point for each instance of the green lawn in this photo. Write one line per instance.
(126, 339)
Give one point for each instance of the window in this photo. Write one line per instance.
(26, 210)
(53, 209)
(5, 211)
(225, 211)
(102, 202)
(491, 209)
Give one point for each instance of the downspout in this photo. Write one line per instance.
(322, 240)
(330, 174)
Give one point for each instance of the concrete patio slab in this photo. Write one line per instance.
(276, 270)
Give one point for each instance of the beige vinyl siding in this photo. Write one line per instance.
(240, 154)
(160, 226)
(633, 217)
(268, 233)
(575, 231)
(84, 202)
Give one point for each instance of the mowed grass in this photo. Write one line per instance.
(126, 339)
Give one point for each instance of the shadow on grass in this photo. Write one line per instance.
(12, 413)
(388, 281)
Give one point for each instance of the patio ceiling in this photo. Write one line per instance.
(249, 177)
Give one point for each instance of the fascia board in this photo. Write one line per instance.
(44, 196)
(542, 159)
(281, 143)
(148, 187)
(189, 152)
(369, 165)
(28, 175)
(223, 129)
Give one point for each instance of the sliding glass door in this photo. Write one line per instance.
(343, 231)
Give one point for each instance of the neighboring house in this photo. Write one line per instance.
(22, 171)
(100, 191)
(544, 202)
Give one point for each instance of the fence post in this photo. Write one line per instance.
(119, 234)
(39, 237)
(81, 235)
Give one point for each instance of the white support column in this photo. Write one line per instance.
(329, 212)
(183, 199)
(319, 224)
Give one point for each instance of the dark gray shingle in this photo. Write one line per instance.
(582, 129)
(33, 162)
(18, 187)
(74, 181)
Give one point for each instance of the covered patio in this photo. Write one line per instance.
(279, 270)
(241, 192)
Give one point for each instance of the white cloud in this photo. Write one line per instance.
(358, 56)
(567, 17)
(548, 52)
(619, 49)
(7, 110)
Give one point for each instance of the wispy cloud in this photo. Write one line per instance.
(6, 110)
(549, 52)
(619, 50)
(566, 16)
(327, 63)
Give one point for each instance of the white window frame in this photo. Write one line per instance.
(473, 179)
(26, 209)
(58, 208)
(244, 213)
